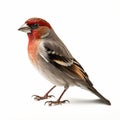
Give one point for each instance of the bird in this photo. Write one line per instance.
(50, 56)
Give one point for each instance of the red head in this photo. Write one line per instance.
(36, 28)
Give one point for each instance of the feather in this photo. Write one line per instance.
(50, 51)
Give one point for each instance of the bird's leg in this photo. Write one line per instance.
(58, 101)
(46, 96)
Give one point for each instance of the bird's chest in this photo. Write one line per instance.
(33, 50)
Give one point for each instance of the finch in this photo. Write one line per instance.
(51, 57)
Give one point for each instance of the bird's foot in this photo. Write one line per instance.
(38, 98)
(58, 102)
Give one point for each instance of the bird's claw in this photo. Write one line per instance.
(58, 102)
(38, 98)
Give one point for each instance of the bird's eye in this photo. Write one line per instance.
(34, 26)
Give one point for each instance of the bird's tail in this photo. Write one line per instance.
(93, 90)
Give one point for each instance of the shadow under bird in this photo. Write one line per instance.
(52, 58)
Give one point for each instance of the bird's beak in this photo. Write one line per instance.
(25, 28)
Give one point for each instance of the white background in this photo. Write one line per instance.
(91, 31)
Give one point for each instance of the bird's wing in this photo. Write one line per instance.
(55, 53)
(61, 58)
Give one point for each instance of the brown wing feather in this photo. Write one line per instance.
(77, 69)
